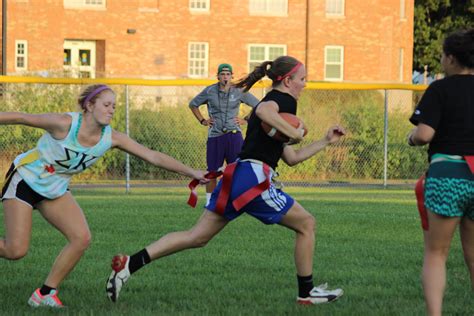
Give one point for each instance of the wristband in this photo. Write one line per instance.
(410, 141)
(202, 120)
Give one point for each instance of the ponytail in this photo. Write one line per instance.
(277, 70)
(258, 73)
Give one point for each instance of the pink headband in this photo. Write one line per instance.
(292, 71)
(94, 93)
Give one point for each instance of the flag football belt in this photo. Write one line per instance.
(31, 157)
(420, 186)
(193, 197)
(223, 196)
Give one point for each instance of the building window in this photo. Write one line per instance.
(333, 63)
(335, 7)
(402, 10)
(79, 59)
(21, 55)
(259, 53)
(198, 59)
(199, 5)
(400, 64)
(268, 7)
(149, 6)
(85, 4)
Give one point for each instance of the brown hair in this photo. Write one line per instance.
(87, 95)
(276, 72)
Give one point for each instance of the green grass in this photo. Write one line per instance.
(369, 242)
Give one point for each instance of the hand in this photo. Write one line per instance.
(208, 122)
(334, 134)
(199, 175)
(240, 121)
(297, 140)
(410, 137)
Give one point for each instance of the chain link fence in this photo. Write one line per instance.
(156, 114)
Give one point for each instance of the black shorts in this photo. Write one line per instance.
(17, 188)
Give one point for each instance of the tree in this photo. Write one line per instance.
(434, 19)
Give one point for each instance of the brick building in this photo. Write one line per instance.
(339, 40)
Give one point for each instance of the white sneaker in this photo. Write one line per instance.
(118, 277)
(320, 294)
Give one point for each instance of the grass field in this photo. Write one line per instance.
(369, 242)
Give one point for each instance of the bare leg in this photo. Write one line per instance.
(467, 239)
(208, 225)
(66, 215)
(17, 221)
(437, 243)
(304, 224)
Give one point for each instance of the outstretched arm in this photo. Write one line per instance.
(56, 124)
(125, 143)
(292, 157)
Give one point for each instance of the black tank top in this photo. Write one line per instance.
(258, 145)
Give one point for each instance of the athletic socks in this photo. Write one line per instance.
(138, 260)
(45, 290)
(305, 285)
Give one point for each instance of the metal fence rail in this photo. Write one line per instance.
(156, 114)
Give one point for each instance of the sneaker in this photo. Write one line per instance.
(118, 277)
(51, 299)
(320, 294)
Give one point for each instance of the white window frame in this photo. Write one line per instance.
(85, 4)
(403, 15)
(329, 3)
(401, 62)
(267, 10)
(24, 55)
(206, 60)
(192, 7)
(266, 53)
(149, 8)
(341, 63)
(75, 69)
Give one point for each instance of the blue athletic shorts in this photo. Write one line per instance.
(269, 207)
(449, 187)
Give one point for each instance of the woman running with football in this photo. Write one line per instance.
(39, 179)
(445, 120)
(246, 186)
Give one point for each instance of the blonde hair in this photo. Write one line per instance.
(90, 94)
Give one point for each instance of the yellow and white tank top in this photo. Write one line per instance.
(48, 168)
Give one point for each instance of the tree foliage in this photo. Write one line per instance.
(434, 19)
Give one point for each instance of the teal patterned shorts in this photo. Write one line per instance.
(449, 188)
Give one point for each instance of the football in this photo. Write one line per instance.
(277, 135)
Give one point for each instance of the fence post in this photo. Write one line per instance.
(385, 139)
(127, 131)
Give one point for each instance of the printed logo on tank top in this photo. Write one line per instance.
(75, 160)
